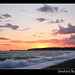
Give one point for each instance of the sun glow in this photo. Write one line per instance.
(42, 45)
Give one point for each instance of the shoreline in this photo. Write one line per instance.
(69, 64)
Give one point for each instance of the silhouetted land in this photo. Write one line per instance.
(49, 49)
(18, 50)
(52, 49)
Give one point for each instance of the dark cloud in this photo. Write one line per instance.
(72, 37)
(46, 8)
(56, 9)
(8, 25)
(41, 19)
(6, 15)
(70, 40)
(69, 30)
(3, 38)
(66, 41)
(57, 21)
(3, 16)
(52, 9)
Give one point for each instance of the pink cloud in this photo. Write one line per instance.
(34, 35)
(65, 41)
(39, 35)
(38, 41)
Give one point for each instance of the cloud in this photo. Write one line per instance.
(3, 16)
(39, 35)
(38, 41)
(3, 38)
(6, 15)
(57, 21)
(6, 44)
(34, 35)
(46, 8)
(19, 41)
(68, 30)
(72, 37)
(64, 10)
(8, 25)
(24, 29)
(41, 19)
(64, 41)
(52, 9)
(8, 20)
(70, 41)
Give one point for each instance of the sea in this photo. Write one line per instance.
(33, 59)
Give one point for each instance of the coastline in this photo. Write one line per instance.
(69, 64)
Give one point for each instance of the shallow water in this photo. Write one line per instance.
(33, 59)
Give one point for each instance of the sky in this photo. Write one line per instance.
(26, 26)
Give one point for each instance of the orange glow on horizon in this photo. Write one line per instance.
(42, 45)
(26, 46)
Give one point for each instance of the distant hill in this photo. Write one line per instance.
(52, 48)
(17, 50)
(49, 49)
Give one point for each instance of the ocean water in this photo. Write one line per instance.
(33, 59)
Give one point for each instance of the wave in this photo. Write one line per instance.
(38, 63)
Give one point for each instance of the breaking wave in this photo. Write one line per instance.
(36, 63)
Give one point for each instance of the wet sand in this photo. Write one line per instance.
(70, 64)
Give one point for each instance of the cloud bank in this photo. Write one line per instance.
(53, 41)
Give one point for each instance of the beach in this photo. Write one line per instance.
(70, 64)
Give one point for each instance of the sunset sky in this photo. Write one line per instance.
(25, 26)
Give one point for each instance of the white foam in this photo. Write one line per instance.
(48, 63)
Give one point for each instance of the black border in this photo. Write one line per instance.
(37, 1)
(28, 71)
(33, 71)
